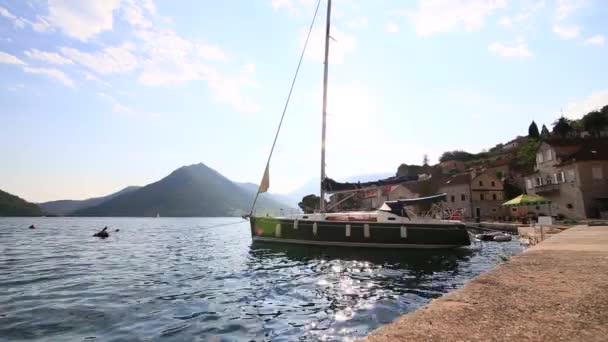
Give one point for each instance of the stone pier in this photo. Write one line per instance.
(554, 291)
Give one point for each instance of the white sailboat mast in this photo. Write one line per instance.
(325, 74)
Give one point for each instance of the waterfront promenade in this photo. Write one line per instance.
(554, 291)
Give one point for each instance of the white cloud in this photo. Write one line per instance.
(82, 19)
(118, 108)
(357, 23)
(41, 25)
(505, 21)
(54, 73)
(172, 59)
(517, 50)
(435, 16)
(117, 59)
(567, 32)
(598, 39)
(6, 58)
(122, 109)
(576, 109)
(134, 15)
(49, 57)
(565, 8)
(211, 52)
(392, 27)
(17, 21)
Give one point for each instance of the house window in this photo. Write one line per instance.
(494, 209)
(570, 175)
(513, 209)
(480, 183)
(493, 183)
(569, 206)
(555, 178)
(481, 197)
(539, 181)
(597, 172)
(463, 197)
(529, 183)
(539, 157)
(453, 198)
(561, 177)
(548, 155)
(494, 197)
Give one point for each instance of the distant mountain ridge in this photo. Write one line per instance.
(194, 190)
(66, 207)
(11, 205)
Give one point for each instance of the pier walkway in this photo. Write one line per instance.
(555, 291)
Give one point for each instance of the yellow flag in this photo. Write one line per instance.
(265, 184)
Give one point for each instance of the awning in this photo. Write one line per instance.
(523, 200)
(396, 207)
(332, 186)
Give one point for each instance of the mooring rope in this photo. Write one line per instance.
(293, 82)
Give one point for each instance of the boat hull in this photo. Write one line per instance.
(359, 234)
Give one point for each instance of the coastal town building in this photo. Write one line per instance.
(475, 195)
(573, 174)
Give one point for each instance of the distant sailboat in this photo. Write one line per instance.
(394, 225)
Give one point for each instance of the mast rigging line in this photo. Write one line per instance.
(293, 82)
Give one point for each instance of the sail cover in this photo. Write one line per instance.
(331, 185)
(396, 207)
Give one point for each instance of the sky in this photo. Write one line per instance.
(99, 95)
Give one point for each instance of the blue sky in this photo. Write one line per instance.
(99, 95)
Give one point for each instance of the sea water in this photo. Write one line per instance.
(188, 279)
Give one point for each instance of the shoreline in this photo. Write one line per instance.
(555, 290)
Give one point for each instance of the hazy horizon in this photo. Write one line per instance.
(100, 95)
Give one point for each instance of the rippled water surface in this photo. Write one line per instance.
(176, 279)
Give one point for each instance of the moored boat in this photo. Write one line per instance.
(394, 225)
(391, 226)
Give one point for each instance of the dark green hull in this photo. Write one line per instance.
(359, 234)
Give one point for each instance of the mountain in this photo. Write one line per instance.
(280, 200)
(66, 207)
(194, 190)
(11, 205)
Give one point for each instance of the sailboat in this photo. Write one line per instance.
(393, 225)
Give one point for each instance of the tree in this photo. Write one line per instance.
(309, 203)
(562, 127)
(526, 155)
(511, 189)
(594, 122)
(544, 133)
(425, 159)
(533, 130)
(456, 155)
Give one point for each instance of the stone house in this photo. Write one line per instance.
(458, 191)
(477, 195)
(573, 174)
(487, 196)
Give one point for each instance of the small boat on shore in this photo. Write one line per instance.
(494, 236)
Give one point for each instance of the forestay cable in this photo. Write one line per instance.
(293, 82)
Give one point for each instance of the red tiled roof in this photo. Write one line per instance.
(458, 179)
(589, 149)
